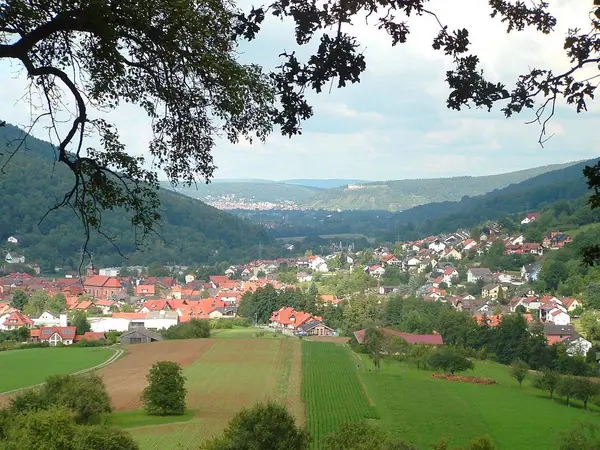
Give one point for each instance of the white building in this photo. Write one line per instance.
(13, 240)
(578, 346)
(160, 320)
(48, 319)
(110, 272)
(106, 324)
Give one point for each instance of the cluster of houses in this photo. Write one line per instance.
(157, 303)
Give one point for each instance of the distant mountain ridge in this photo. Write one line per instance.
(399, 195)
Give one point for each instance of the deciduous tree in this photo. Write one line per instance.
(260, 427)
(165, 393)
(585, 389)
(548, 381)
(81, 322)
(567, 387)
(19, 299)
(449, 360)
(519, 370)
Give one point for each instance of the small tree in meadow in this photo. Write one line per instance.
(567, 387)
(548, 381)
(449, 360)
(165, 393)
(585, 389)
(519, 370)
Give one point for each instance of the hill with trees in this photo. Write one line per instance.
(567, 184)
(401, 195)
(190, 231)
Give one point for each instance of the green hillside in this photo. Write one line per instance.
(249, 190)
(192, 232)
(567, 184)
(404, 194)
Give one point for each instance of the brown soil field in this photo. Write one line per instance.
(334, 339)
(126, 379)
(231, 375)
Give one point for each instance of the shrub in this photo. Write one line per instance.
(193, 329)
(449, 360)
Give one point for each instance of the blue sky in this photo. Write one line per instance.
(394, 124)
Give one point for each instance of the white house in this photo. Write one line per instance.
(318, 264)
(437, 246)
(12, 240)
(48, 319)
(13, 258)
(577, 346)
(413, 263)
(559, 317)
(303, 277)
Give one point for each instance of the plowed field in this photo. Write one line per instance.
(126, 378)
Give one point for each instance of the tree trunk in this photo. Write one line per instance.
(585, 404)
(567, 400)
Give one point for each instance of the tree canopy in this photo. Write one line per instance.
(178, 62)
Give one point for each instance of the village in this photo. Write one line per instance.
(445, 267)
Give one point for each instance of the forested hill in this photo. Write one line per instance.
(528, 196)
(401, 195)
(31, 184)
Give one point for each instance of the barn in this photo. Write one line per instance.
(139, 335)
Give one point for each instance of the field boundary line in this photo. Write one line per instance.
(115, 356)
(360, 380)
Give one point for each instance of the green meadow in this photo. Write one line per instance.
(414, 407)
(23, 368)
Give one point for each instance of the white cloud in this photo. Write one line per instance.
(393, 124)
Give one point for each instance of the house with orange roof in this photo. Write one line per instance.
(81, 306)
(572, 304)
(290, 319)
(54, 335)
(100, 286)
(17, 320)
(330, 299)
(104, 305)
(230, 298)
(145, 290)
(218, 279)
(155, 305)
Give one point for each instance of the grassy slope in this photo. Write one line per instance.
(423, 410)
(22, 368)
(404, 194)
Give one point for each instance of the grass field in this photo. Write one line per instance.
(23, 368)
(331, 389)
(423, 410)
(230, 375)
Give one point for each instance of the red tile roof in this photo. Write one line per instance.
(18, 319)
(90, 336)
(410, 338)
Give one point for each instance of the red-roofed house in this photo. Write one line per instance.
(155, 305)
(219, 279)
(331, 299)
(90, 336)
(289, 318)
(54, 335)
(101, 286)
(145, 290)
(410, 338)
(17, 320)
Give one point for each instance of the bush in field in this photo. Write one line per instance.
(241, 322)
(193, 329)
(362, 436)
(165, 393)
(85, 396)
(584, 436)
(449, 360)
(221, 324)
(55, 429)
(264, 426)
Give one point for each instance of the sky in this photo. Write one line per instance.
(394, 124)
